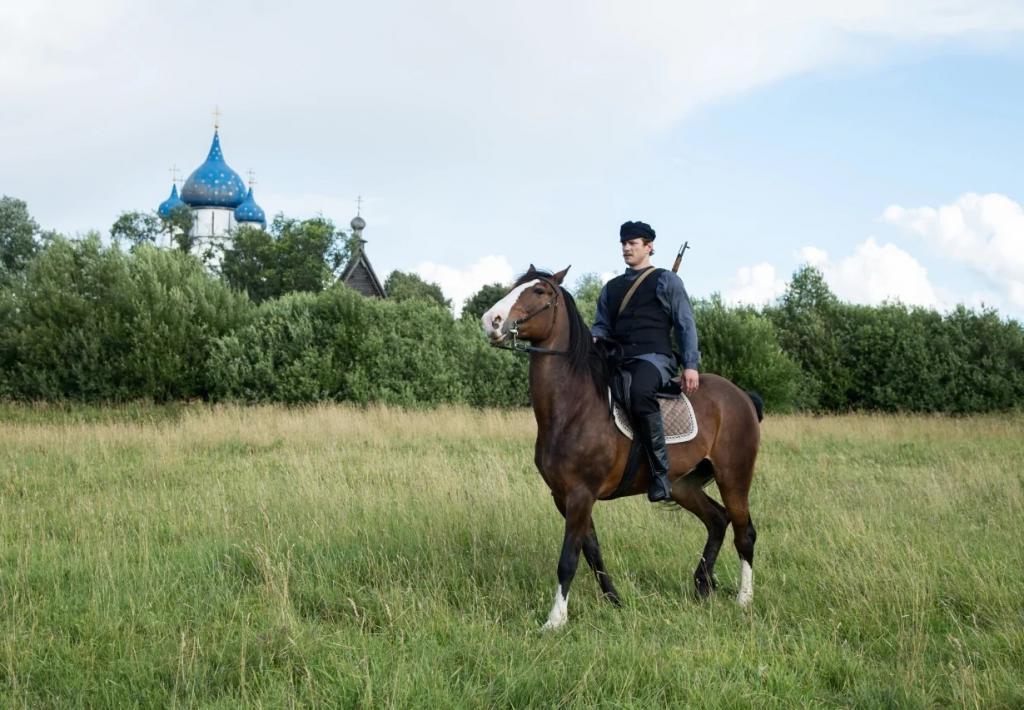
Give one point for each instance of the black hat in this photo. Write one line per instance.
(632, 230)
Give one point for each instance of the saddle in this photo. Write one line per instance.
(677, 414)
(676, 411)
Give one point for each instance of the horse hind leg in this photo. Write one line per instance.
(689, 493)
(744, 535)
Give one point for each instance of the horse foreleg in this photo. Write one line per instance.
(577, 507)
(592, 554)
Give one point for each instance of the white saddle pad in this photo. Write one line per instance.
(677, 415)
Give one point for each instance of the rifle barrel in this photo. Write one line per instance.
(679, 257)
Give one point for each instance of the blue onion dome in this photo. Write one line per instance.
(249, 212)
(213, 184)
(164, 210)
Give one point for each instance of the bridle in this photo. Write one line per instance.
(513, 329)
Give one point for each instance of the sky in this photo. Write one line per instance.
(880, 141)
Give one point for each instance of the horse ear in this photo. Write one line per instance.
(557, 278)
(532, 269)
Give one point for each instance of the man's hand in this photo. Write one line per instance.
(691, 381)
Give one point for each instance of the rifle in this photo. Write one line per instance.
(679, 257)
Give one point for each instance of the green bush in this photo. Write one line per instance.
(90, 322)
(895, 358)
(278, 357)
(83, 321)
(979, 362)
(493, 377)
(341, 346)
(741, 345)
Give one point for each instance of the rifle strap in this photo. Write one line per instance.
(633, 288)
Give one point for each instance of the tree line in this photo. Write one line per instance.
(89, 319)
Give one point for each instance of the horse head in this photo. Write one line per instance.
(527, 311)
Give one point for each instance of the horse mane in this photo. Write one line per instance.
(583, 357)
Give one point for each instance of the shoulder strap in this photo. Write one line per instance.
(633, 288)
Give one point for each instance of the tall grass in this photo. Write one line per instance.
(335, 556)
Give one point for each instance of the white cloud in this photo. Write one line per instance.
(402, 87)
(456, 114)
(460, 284)
(985, 232)
(874, 273)
(637, 64)
(755, 285)
(812, 256)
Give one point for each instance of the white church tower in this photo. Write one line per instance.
(219, 202)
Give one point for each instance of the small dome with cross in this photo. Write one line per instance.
(164, 210)
(249, 212)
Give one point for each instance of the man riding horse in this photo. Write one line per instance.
(581, 455)
(637, 311)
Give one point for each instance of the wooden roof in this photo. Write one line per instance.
(359, 274)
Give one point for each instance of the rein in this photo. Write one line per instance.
(518, 347)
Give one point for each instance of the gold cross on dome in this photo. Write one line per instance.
(359, 205)
(216, 118)
(252, 178)
(174, 174)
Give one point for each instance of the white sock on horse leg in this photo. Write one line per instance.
(559, 611)
(746, 593)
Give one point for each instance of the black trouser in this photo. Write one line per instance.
(647, 423)
(643, 388)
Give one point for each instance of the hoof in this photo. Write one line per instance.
(553, 624)
(745, 599)
(613, 597)
(704, 587)
(559, 613)
(704, 581)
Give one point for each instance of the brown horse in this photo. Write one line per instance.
(581, 455)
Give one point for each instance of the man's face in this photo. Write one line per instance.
(634, 252)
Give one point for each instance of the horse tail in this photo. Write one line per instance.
(758, 404)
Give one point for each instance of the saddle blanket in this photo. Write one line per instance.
(676, 413)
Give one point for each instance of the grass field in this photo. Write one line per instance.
(339, 557)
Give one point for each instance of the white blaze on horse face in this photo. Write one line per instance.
(559, 612)
(495, 321)
(746, 593)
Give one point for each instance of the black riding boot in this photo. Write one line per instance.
(652, 438)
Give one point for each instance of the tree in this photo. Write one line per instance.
(402, 286)
(293, 255)
(178, 223)
(136, 228)
(588, 289)
(250, 264)
(18, 232)
(481, 301)
(809, 322)
(309, 252)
